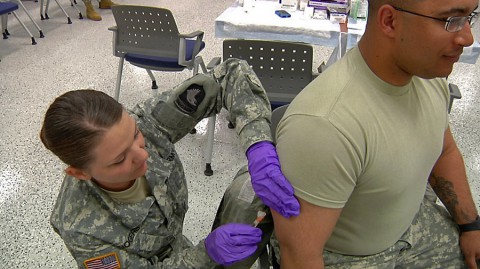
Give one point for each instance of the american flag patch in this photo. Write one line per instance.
(109, 261)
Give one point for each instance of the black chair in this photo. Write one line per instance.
(284, 68)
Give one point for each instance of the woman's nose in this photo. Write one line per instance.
(141, 155)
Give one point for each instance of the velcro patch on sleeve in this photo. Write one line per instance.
(108, 261)
(189, 100)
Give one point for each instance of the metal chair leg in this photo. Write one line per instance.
(30, 16)
(25, 27)
(210, 138)
(119, 78)
(152, 77)
(69, 21)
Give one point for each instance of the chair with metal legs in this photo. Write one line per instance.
(10, 7)
(19, 2)
(44, 11)
(284, 68)
(148, 37)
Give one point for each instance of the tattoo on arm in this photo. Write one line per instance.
(445, 191)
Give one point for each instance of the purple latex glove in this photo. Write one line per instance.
(268, 180)
(232, 242)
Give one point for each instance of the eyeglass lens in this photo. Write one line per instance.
(457, 23)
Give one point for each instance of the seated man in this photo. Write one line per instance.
(360, 143)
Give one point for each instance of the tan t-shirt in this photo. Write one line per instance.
(351, 141)
(135, 194)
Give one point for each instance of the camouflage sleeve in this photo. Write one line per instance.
(90, 252)
(246, 100)
(232, 85)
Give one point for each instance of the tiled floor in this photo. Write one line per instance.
(79, 56)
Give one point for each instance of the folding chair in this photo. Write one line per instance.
(148, 37)
(10, 7)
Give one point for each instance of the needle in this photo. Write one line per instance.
(260, 216)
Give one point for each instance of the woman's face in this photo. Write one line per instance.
(120, 156)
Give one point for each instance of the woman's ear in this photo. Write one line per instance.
(77, 173)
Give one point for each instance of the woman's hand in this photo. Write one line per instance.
(268, 180)
(232, 242)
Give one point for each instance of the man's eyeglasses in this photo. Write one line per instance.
(452, 24)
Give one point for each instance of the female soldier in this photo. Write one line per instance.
(124, 199)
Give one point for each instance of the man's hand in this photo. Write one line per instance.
(268, 180)
(470, 245)
(232, 242)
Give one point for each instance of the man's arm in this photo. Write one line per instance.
(449, 181)
(303, 238)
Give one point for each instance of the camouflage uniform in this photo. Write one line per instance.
(241, 205)
(148, 234)
(431, 241)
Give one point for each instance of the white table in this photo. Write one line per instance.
(261, 22)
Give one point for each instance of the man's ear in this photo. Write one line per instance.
(387, 20)
(77, 173)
